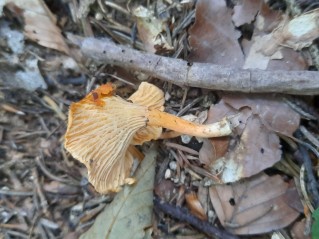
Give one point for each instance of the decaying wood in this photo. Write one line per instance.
(203, 75)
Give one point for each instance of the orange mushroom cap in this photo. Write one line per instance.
(102, 126)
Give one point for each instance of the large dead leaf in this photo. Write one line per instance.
(258, 146)
(131, 210)
(213, 37)
(253, 206)
(40, 23)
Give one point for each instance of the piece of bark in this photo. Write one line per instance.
(203, 75)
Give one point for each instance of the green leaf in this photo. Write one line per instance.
(315, 224)
(130, 213)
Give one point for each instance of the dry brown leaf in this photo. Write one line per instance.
(165, 190)
(296, 33)
(273, 112)
(257, 149)
(290, 61)
(281, 58)
(245, 11)
(213, 37)
(215, 148)
(253, 206)
(150, 30)
(195, 206)
(258, 146)
(212, 150)
(203, 197)
(40, 24)
(299, 230)
(290, 196)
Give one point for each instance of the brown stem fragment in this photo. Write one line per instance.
(202, 75)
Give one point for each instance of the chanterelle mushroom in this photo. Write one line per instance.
(103, 127)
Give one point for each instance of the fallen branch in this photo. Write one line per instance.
(203, 75)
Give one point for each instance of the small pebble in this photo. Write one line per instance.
(167, 96)
(183, 177)
(173, 165)
(175, 180)
(211, 216)
(208, 182)
(168, 174)
(98, 16)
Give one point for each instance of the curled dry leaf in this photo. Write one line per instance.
(40, 24)
(253, 206)
(296, 33)
(150, 30)
(103, 128)
(213, 37)
(195, 206)
(281, 58)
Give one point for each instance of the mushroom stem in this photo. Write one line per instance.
(165, 120)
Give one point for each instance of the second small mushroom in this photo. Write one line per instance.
(103, 129)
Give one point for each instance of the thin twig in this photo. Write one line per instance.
(15, 193)
(181, 147)
(43, 201)
(309, 136)
(183, 215)
(303, 189)
(202, 75)
(189, 106)
(53, 177)
(312, 183)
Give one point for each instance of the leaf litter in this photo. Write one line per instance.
(247, 206)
